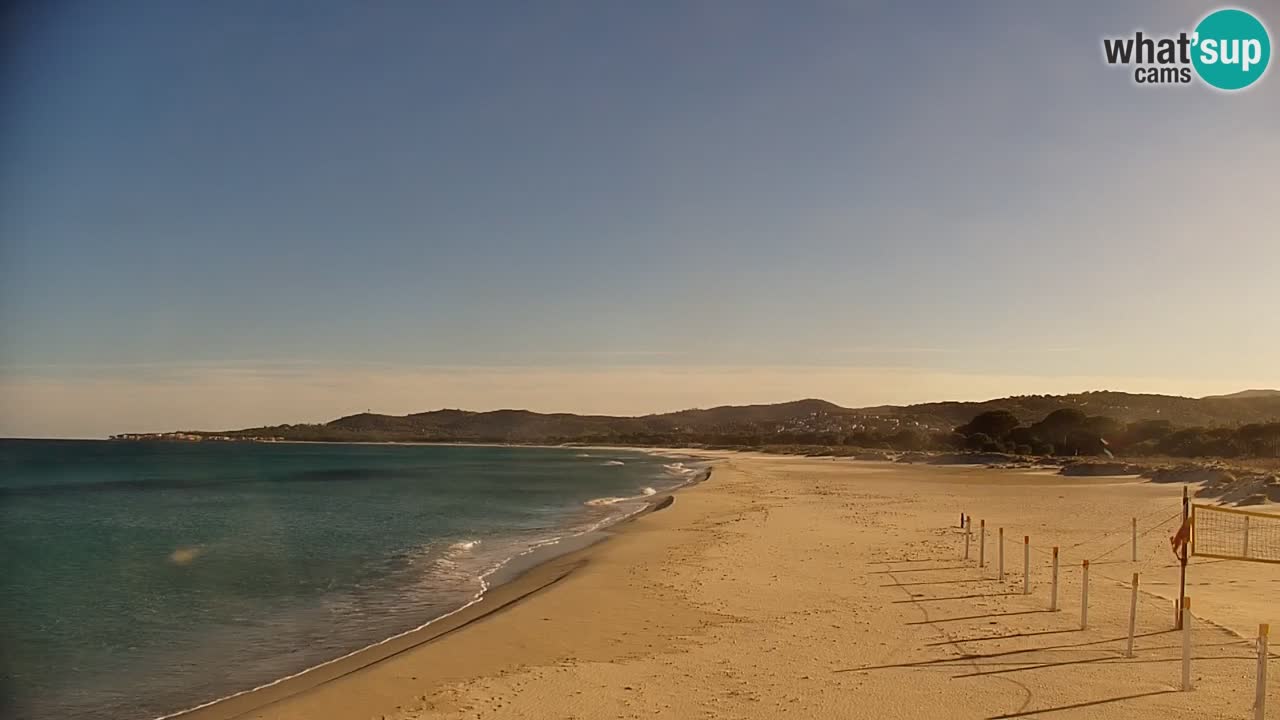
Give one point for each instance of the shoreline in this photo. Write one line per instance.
(507, 584)
(806, 587)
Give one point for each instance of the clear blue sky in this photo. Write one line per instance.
(234, 213)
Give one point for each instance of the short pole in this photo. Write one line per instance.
(1084, 596)
(982, 543)
(1001, 533)
(1245, 549)
(961, 521)
(1053, 597)
(1260, 697)
(1135, 540)
(1186, 644)
(1026, 564)
(967, 534)
(1133, 616)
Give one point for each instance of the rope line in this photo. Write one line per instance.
(1140, 535)
(1010, 540)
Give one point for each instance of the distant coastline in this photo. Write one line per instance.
(1099, 423)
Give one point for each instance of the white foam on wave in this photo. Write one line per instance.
(603, 501)
(613, 462)
(606, 501)
(482, 579)
(475, 598)
(583, 455)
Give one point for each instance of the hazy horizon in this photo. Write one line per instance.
(314, 394)
(226, 216)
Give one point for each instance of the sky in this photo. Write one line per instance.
(217, 215)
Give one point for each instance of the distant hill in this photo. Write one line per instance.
(1244, 394)
(755, 424)
(1126, 407)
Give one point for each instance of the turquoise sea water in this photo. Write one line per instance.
(138, 579)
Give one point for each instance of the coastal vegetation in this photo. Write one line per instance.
(1245, 425)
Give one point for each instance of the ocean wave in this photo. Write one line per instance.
(613, 462)
(678, 469)
(464, 545)
(603, 501)
(606, 501)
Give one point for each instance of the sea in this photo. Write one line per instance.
(139, 579)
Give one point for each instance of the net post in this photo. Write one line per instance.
(1084, 596)
(1186, 644)
(1133, 616)
(967, 535)
(1053, 597)
(1245, 551)
(1182, 573)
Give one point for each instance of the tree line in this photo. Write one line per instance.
(1063, 432)
(1070, 432)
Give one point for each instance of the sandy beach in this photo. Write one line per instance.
(808, 587)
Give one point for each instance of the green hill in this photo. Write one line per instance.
(799, 421)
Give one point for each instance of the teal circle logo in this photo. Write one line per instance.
(1232, 49)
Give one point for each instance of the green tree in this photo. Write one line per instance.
(993, 423)
(978, 441)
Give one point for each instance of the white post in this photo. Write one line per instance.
(1084, 597)
(1135, 540)
(1001, 554)
(1260, 697)
(1245, 554)
(982, 543)
(1186, 643)
(967, 533)
(1133, 615)
(1026, 564)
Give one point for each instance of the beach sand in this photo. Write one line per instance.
(813, 588)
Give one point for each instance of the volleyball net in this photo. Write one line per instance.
(1232, 534)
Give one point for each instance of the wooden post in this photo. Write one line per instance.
(1053, 597)
(967, 534)
(1001, 537)
(982, 543)
(1245, 554)
(1260, 696)
(1084, 596)
(1182, 583)
(1134, 558)
(1133, 616)
(1026, 564)
(961, 521)
(1186, 643)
